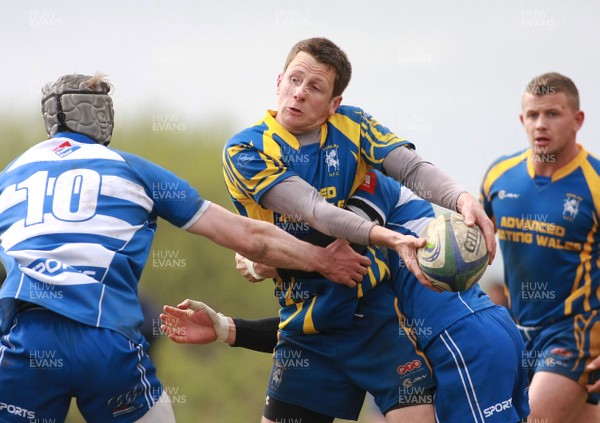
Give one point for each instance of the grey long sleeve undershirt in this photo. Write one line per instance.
(423, 178)
(295, 197)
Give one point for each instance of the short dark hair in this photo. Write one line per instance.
(552, 83)
(326, 52)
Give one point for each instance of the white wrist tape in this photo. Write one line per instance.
(222, 327)
(219, 321)
(252, 270)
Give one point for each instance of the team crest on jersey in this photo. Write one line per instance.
(571, 207)
(332, 160)
(277, 375)
(65, 149)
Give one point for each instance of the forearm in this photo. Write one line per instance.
(258, 241)
(277, 248)
(422, 177)
(315, 238)
(295, 197)
(384, 237)
(257, 335)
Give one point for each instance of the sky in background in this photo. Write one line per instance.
(448, 75)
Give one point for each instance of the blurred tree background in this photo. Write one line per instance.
(212, 383)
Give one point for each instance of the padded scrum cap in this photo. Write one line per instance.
(79, 103)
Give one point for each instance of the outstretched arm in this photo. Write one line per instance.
(264, 243)
(295, 196)
(433, 184)
(193, 322)
(303, 200)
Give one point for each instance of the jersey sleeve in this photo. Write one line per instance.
(377, 141)
(495, 171)
(248, 170)
(173, 198)
(393, 205)
(484, 199)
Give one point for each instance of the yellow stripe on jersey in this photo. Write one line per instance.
(309, 325)
(410, 333)
(346, 126)
(242, 189)
(594, 344)
(288, 294)
(496, 171)
(237, 191)
(585, 266)
(567, 169)
(280, 131)
(382, 267)
(379, 140)
(270, 149)
(593, 180)
(583, 273)
(259, 180)
(581, 328)
(383, 273)
(284, 323)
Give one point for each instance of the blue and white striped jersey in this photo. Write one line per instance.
(423, 312)
(77, 220)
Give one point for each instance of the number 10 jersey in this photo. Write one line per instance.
(77, 221)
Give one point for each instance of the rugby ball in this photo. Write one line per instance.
(455, 256)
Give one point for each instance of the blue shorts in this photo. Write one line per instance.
(565, 347)
(330, 372)
(477, 366)
(46, 359)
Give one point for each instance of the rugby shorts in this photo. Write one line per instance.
(565, 347)
(478, 369)
(330, 372)
(46, 359)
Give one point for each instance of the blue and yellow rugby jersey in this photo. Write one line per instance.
(549, 235)
(423, 312)
(317, 305)
(265, 154)
(77, 221)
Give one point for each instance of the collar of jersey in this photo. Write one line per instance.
(75, 137)
(563, 171)
(289, 138)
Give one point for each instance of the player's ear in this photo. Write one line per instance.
(279, 78)
(521, 119)
(579, 118)
(335, 103)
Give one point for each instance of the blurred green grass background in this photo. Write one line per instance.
(212, 383)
